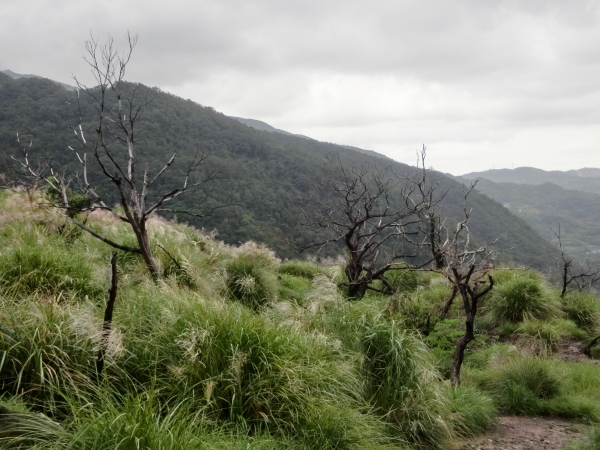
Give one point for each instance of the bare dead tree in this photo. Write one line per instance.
(113, 147)
(466, 269)
(374, 214)
(432, 224)
(584, 278)
(572, 273)
(28, 175)
(468, 285)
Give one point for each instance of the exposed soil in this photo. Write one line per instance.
(572, 350)
(528, 433)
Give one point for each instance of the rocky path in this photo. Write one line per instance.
(528, 433)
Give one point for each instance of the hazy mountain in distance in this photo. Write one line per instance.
(545, 206)
(586, 179)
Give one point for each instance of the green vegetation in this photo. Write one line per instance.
(233, 348)
(521, 298)
(250, 279)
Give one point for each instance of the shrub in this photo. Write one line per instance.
(403, 280)
(77, 201)
(520, 298)
(303, 269)
(446, 334)
(250, 281)
(421, 308)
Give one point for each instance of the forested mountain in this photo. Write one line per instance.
(586, 179)
(547, 205)
(267, 174)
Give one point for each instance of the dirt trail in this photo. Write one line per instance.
(528, 433)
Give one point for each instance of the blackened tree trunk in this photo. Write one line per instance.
(470, 296)
(108, 314)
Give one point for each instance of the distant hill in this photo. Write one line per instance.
(586, 179)
(16, 76)
(547, 205)
(266, 173)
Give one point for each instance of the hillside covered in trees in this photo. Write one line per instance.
(265, 175)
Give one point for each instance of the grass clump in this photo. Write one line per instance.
(46, 270)
(583, 308)
(304, 269)
(242, 369)
(293, 288)
(34, 350)
(521, 298)
(403, 281)
(471, 411)
(251, 281)
(545, 337)
(403, 385)
(520, 386)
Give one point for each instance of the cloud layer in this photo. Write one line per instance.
(483, 84)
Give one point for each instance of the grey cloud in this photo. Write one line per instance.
(453, 73)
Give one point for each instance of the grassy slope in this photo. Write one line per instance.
(235, 349)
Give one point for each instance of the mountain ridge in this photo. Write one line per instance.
(267, 173)
(585, 179)
(16, 76)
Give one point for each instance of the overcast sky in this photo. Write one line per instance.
(483, 83)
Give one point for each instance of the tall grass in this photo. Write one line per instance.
(583, 308)
(403, 385)
(471, 411)
(250, 281)
(545, 337)
(38, 264)
(196, 360)
(522, 384)
(521, 297)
